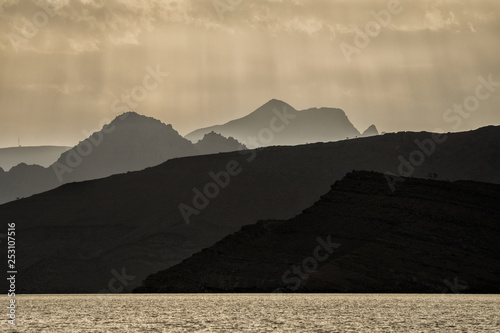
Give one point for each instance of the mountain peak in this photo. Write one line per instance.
(370, 131)
(275, 103)
(132, 117)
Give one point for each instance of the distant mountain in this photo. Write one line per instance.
(277, 123)
(41, 155)
(24, 180)
(370, 131)
(131, 142)
(358, 238)
(74, 236)
(213, 143)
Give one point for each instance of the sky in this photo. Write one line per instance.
(68, 67)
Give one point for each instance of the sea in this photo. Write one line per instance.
(255, 313)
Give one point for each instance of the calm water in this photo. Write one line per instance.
(257, 313)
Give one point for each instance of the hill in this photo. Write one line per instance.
(41, 155)
(213, 143)
(370, 131)
(358, 238)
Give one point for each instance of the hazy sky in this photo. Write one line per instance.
(66, 68)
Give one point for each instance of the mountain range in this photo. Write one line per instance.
(80, 236)
(132, 142)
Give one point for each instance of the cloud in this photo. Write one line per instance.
(89, 25)
(435, 20)
(428, 58)
(63, 89)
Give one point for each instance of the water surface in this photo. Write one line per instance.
(257, 313)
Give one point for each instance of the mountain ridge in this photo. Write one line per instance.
(294, 127)
(39, 155)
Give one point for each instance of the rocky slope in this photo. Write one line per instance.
(359, 238)
(71, 239)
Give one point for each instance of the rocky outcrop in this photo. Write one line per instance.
(370, 131)
(427, 237)
(213, 143)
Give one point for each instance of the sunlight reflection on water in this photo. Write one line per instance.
(256, 313)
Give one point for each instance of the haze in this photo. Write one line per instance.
(61, 81)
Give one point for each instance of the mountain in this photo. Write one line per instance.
(77, 237)
(358, 238)
(213, 143)
(42, 155)
(277, 123)
(23, 180)
(370, 131)
(130, 142)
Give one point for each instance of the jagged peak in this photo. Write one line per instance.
(214, 136)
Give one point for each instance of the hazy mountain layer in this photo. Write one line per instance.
(131, 142)
(427, 237)
(370, 131)
(277, 123)
(71, 238)
(213, 143)
(42, 155)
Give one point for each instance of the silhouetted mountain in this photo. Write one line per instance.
(370, 131)
(134, 221)
(213, 143)
(130, 142)
(23, 179)
(42, 155)
(277, 123)
(358, 238)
